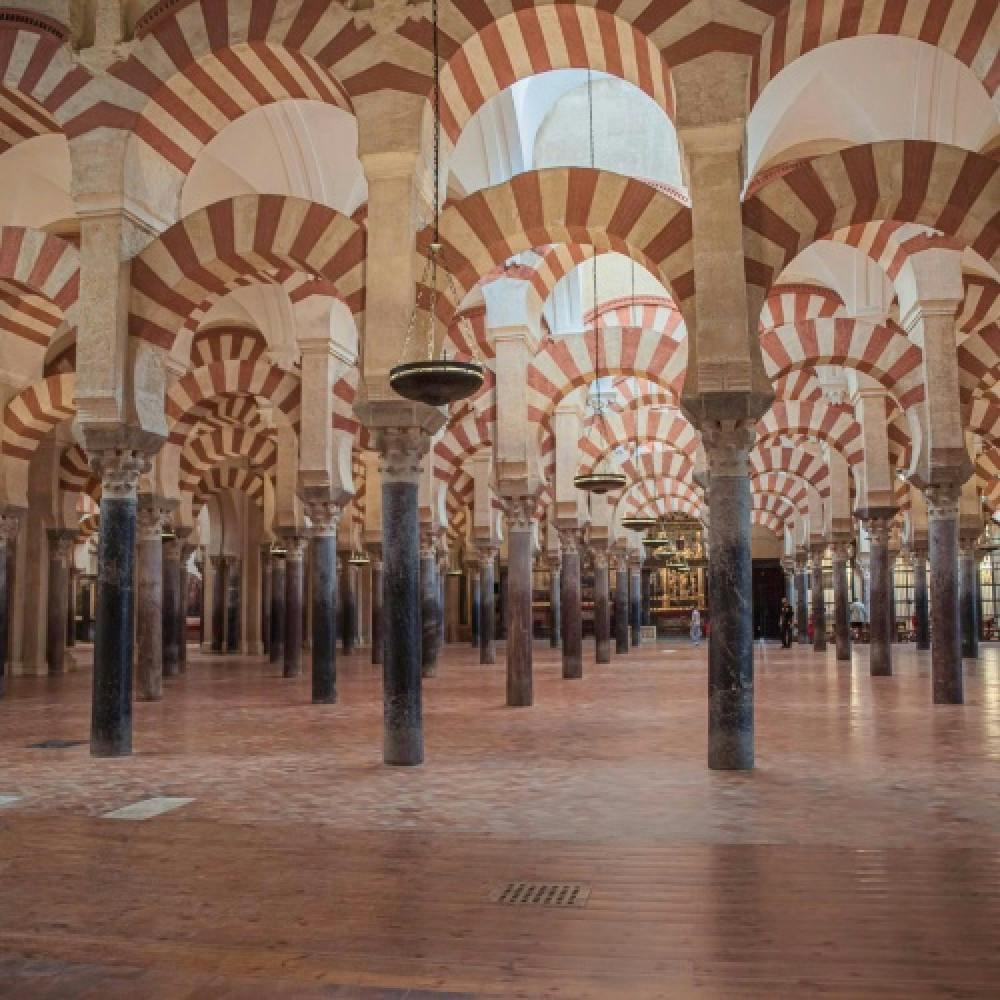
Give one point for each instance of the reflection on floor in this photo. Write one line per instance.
(274, 856)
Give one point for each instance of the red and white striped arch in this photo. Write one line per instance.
(226, 411)
(39, 79)
(534, 40)
(877, 350)
(940, 186)
(643, 492)
(225, 445)
(75, 474)
(666, 465)
(821, 421)
(981, 306)
(39, 283)
(229, 378)
(967, 29)
(799, 462)
(779, 507)
(34, 411)
(229, 477)
(256, 237)
(979, 362)
(196, 67)
(792, 303)
(227, 343)
(646, 312)
(569, 205)
(782, 484)
(798, 384)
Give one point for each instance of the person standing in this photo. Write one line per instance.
(786, 619)
(696, 626)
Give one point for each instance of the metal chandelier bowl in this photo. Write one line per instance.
(436, 381)
(599, 482)
(638, 523)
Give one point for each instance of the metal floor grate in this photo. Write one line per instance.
(541, 894)
(56, 744)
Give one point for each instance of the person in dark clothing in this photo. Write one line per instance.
(787, 619)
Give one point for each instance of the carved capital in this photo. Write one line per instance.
(149, 523)
(727, 446)
(401, 451)
(943, 501)
(172, 549)
(600, 557)
(295, 547)
(61, 544)
(119, 472)
(841, 549)
(325, 517)
(569, 539)
(9, 525)
(520, 513)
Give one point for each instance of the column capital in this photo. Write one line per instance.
(325, 517)
(295, 547)
(149, 521)
(600, 556)
(569, 540)
(119, 471)
(841, 548)
(401, 451)
(62, 541)
(818, 550)
(10, 523)
(727, 446)
(520, 511)
(172, 548)
(943, 501)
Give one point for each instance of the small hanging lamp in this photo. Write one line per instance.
(435, 381)
(605, 475)
(358, 558)
(637, 523)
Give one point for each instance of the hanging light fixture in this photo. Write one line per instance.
(637, 523)
(605, 475)
(358, 558)
(433, 380)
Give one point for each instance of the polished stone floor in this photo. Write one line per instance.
(254, 846)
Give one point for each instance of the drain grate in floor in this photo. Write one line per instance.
(541, 894)
(56, 744)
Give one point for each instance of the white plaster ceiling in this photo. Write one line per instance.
(35, 183)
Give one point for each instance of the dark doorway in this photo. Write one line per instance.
(768, 590)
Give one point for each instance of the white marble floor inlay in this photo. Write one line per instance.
(6, 800)
(147, 808)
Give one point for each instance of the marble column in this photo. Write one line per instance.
(111, 716)
(555, 606)
(276, 650)
(429, 609)
(265, 597)
(818, 599)
(219, 567)
(400, 464)
(921, 603)
(8, 534)
(186, 552)
(325, 518)
(946, 632)
(234, 610)
(293, 605)
(647, 596)
(475, 588)
(621, 604)
(880, 616)
(730, 652)
(635, 600)
(969, 596)
(171, 561)
(60, 549)
(841, 601)
(520, 512)
(348, 605)
(72, 576)
(149, 609)
(802, 597)
(442, 585)
(378, 585)
(569, 599)
(487, 611)
(602, 606)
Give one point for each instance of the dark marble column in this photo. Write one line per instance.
(401, 454)
(429, 609)
(818, 602)
(802, 597)
(276, 652)
(219, 567)
(323, 565)
(487, 612)
(171, 558)
(149, 610)
(555, 603)
(378, 586)
(520, 512)
(182, 608)
(294, 556)
(111, 716)
(621, 603)
(969, 596)
(234, 601)
(60, 549)
(72, 577)
(265, 597)
(879, 521)
(442, 584)
(475, 597)
(569, 599)
(841, 601)
(8, 534)
(635, 599)
(647, 596)
(921, 604)
(730, 651)
(946, 633)
(602, 606)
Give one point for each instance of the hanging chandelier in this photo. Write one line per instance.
(435, 380)
(358, 558)
(637, 523)
(605, 475)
